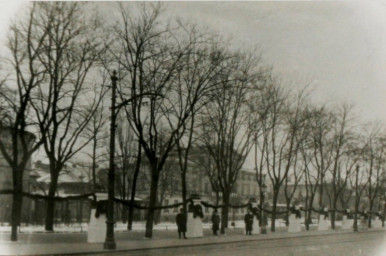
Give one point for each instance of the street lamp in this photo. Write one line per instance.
(263, 228)
(110, 241)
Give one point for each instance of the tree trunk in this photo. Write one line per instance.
(287, 215)
(306, 224)
(333, 213)
(274, 205)
(371, 206)
(321, 192)
(16, 214)
(224, 213)
(152, 200)
(157, 213)
(333, 219)
(134, 188)
(355, 226)
(309, 218)
(124, 214)
(94, 163)
(49, 225)
(183, 184)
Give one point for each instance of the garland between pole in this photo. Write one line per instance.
(138, 206)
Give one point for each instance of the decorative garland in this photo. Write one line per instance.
(206, 204)
(54, 198)
(137, 206)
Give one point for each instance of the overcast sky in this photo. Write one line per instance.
(339, 45)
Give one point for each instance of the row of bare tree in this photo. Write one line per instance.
(180, 87)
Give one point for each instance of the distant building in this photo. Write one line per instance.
(76, 179)
(73, 180)
(6, 180)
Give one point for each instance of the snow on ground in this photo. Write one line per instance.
(119, 226)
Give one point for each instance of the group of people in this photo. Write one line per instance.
(181, 220)
(181, 223)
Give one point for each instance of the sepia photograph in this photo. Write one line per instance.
(219, 128)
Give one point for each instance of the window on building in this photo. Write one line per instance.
(166, 203)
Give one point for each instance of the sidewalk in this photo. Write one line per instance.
(76, 243)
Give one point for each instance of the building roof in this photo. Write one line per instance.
(74, 174)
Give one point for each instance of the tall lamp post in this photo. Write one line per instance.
(110, 241)
(263, 228)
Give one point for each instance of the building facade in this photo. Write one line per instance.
(6, 179)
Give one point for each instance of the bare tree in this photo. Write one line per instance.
(70, 48)
(358, 181)
(226, 129)
(350, 159)
(311, 178)
(125, 160)
(96, 130)
(206, 165)
(24, 44)
(198, 69)
(319, 154)
(291, 183)
(134, 186)
(298, 119)
(374, 162)
(151, 55)
(183, 159)
(279, 143)
(340, 139)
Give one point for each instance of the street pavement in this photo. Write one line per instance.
(332, 242)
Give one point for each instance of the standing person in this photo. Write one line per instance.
(181, 223)
(215, 222)
(248, 219)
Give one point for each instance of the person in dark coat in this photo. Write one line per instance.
(215, 222)
(181, 223)
(248, 219)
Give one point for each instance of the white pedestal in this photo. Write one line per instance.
(194, 226)
(347, 224)
(96, 232)
(324, 224)
(255, 226)
(294, 224)
(377, 223)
